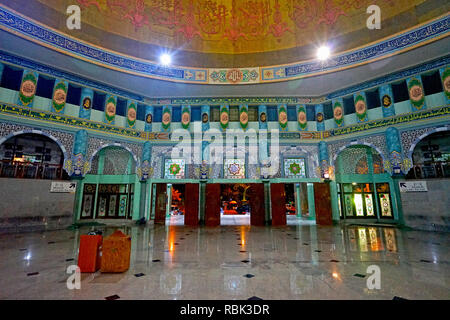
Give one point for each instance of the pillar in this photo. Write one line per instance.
(445, 77)
(110, 109)
(387, 100)
(131, 115)
(320, 118)
(311, 202)
(59, 96)
(28, 88)
(360, 107)
(166, 118)
(262, 117)
(302, 118)
(323, 159)
(338, 112)
(86, 101)
(298, 201)
(416, 93)
(148, 118)
(77, 168)
(282, 117)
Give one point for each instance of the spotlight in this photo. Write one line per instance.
(165, 59)
(323, 53)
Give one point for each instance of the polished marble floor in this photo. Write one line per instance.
(235, 262)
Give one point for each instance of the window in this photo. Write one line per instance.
(196, 113)
(121, 108)
(295, 168)
(74, 95)
(11, 78)
(176, 114)
(157, 114)
(400, 91)
(215, 114)
(99, 101)
(292, 113)
(349, 105)
(311, 113)
(45, 87)
(140, 112)
(234, 114)
(252, 113)
(328, 110)
(272, 113)
(432, 83)
(373, 99)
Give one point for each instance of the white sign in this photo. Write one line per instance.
(413, 186)
(63, 187)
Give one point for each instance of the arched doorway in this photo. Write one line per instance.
(32, 156)
(431, 157)
(364, 188)
(111, 188)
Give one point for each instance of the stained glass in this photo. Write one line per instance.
(122, 205)
(359, 205)
(385, 205)
(174, 168)
(102, 207)
(87, 205)
(348, 205)
(234, 169)
(112, 206)
(295, 168)
(369, 205)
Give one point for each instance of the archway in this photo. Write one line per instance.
(111, 188)
(364, 188)
(430, 156)
(32, 155)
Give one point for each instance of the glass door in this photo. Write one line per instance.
(358, 200)
(87, 207)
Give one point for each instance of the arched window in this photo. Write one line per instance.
(31, 156)
(116, 161)
(431, 157)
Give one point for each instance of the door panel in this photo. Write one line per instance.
(212, 205)
(161, 203)
(191, 204)
(257, 207)
(322, 200)
(278, 198)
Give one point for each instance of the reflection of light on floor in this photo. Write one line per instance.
(293, 220)
(243, 237)
(235, 219)
(175, 220)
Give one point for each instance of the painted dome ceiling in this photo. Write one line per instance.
(230, 33)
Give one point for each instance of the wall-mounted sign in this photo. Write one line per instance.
(413, 186)
(63, 187)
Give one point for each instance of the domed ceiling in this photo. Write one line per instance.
(230, 33)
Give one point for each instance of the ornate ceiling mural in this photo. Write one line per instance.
(235, 26)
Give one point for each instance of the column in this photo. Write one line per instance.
(166, 118)
(334, 202)
(2, 67)
(311, 202)
(131, 114)
(59, 96)
(28, 88)
(320, 118)
(204, 167)
(262, 117)
(416, 93)
(298, 201)
(323, 160)
(445, 77)
(302, 118)
(338, 112)
(110, 109)
(283, 117)
(387, 100)
(148, 118)
(360, 107)
(77, 169)
(87, 97)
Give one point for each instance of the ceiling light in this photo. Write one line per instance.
(323, 53)
(165, 59)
